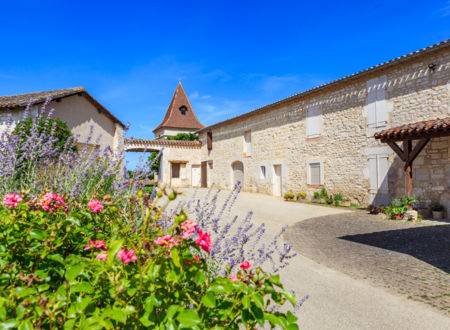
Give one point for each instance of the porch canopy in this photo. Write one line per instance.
(423, 132)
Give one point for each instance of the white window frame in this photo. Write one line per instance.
(314, 121)
(308, 170)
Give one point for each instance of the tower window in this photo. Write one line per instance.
(183, 109)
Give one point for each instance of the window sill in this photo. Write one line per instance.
(315, 185)
(314, 138)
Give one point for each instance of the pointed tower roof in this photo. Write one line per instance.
(180, 113)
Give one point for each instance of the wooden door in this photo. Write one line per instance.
(204, 171)
(276, 180)
(196, 176)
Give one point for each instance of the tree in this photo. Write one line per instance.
(155, 165)
(183, 137)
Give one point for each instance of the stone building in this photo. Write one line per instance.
(180, 164)
(324, 137)
(76, 107)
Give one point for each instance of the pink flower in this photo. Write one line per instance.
(96, 244)
(245, 265)
(234, 278)
(12, 199)
(126, 256)
(189, 228)
(95, 205)
(162, 240)
(51, 201)
(204, 241)
(196, 258)
(102, 256)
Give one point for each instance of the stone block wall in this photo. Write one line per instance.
(189, 155)
(413, 93)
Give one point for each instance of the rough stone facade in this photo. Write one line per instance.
(411, 92)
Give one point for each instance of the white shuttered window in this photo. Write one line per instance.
(376, 102)
(378, 169)
(248, 143)
(314, 122)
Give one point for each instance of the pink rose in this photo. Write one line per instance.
(245, 265)
(126, 256)
(204, 241)
(234, 278)
(189, 228)
(162, 240)
(96, 244)
(95, 205)
(12, 199)
(51, 201)
(102, 256)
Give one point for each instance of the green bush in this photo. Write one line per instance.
(289, 195)
(301, 195)
(183, 137)
(316, 195)
(94, 266)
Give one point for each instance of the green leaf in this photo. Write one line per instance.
(9, 324)
(145, 322)
(175, 257)
(85, 287)
(292, 326)
(26, 325)
(82, 303)
(272, 319)
(118, 315)
(258, 314)
(56, 257)
(73, 271)
(209, 300)
(74, 221)
(259, 301)
(289, 296)
(291, 317)
(246, 302)
(113, 250)
(188, 318)
(199, 278)
(69, 324)
(24, 291)
(171, 312)
(37, 234)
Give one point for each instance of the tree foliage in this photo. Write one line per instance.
(183, 137)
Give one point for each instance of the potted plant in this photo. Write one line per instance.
(373, 209)
(438, 210)
(324, 198)
(301, 195)
(397, 209)
(316, 197)
(409, 201)
(288, 196)
(337, 199)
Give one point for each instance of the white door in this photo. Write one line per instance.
(276, 180)
(196, 176)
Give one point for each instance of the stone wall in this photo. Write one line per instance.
(413, 92)
(188, 155)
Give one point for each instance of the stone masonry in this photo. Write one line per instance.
(413, 92)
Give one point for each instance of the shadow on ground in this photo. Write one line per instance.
(430, 244)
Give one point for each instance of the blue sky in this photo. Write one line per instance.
(231, 56)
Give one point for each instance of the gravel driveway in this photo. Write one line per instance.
(342, 298)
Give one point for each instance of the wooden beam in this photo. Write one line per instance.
(418, 148)
(394, 146)
(407, 146)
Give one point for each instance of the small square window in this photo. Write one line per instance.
(315, 174)
(263, 172)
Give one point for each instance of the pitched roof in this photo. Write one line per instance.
(175, 118)
(21, 100)
(421, 129)
(384, 65)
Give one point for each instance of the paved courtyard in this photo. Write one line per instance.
(356, 277)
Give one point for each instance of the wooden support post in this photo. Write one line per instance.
(407, 147)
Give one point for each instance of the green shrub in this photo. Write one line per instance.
(301, 195)
(437, 207)
(324, 193)
(316, 195)
(289, 195)
(183, 137)
(95, 266)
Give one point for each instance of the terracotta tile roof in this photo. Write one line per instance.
(421, 129)
(21, 100)
(390, 63)
(174, 117)
(193, 143)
